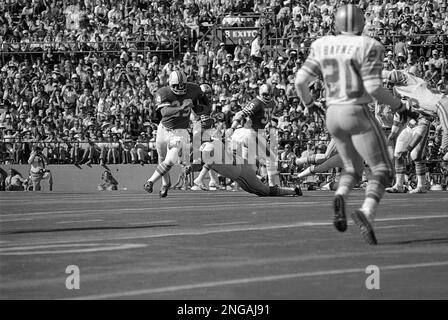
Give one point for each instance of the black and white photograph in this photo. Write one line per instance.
(223, 155)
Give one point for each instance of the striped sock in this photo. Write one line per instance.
(400, 166)
(346, 183)
(163, 168)
(420, 168)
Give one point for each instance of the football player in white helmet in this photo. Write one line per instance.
(175, 102)
(350, 65)
(258, 113)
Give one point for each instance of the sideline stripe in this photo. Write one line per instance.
(241, 281)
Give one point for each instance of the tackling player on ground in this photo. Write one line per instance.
(240, 169)
(175, 104)
(350, 65)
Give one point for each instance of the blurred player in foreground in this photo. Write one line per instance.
(350, 65)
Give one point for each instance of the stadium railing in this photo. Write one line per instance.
(73, 48)
(17, 151)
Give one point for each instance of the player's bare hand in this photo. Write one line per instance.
(229, 133)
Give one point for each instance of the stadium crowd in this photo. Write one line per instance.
(78, 77)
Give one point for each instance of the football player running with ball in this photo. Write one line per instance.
(175, 103)
(350, 65)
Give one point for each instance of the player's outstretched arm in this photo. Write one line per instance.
(301, 83)
(371, 72)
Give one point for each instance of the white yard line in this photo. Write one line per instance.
(39, 250)
(222, 229)
(396, 226)
(79, 221)
(245, 281)
(151, 222)
(210, 206)
(225, 223)
(17, 219)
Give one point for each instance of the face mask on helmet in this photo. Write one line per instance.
(265, 93)
(177, 82)
(206, 89)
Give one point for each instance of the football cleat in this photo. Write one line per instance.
(417, 190)
(198, 187)
(213, 186)
(340, 218)
(396, 189)
(148, 186)
(364, 225)
(163, 193)
(298, 191)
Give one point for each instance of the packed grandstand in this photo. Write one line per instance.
(78, 78)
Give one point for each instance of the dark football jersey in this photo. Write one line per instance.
(258, 112)
(176, 110)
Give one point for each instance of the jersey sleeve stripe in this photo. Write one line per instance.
(247, 111)
(312, 67)
(165, 104)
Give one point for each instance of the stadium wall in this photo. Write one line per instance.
(70, 178)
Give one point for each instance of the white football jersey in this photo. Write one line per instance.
(416, 90)
(346, 63)
(385, 116)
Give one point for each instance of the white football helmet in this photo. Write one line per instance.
(206, 88)
(265, 93)
(349, 19)
(178, 82)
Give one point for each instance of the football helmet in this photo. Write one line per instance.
(396, 77)
(349, 19)
(206, 90)
(178, 82)
(265, 93)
